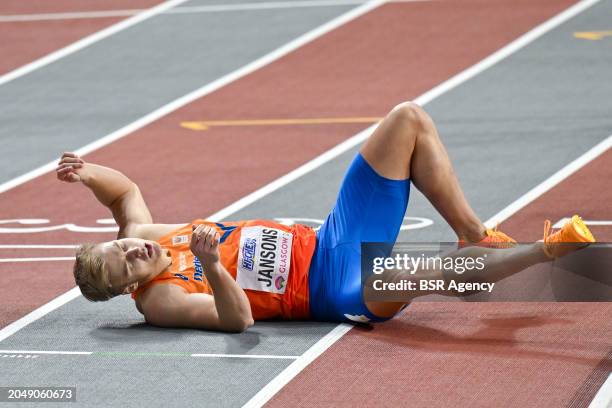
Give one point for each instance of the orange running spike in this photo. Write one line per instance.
(493, 239)
(573, 231)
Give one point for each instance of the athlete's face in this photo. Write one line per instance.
(131, 262)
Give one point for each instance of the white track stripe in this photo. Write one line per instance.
(562, 222)
(76, 15)
(552, 181)
(38, 313)
(603, 398)
(67, 353)
(293, 175)
(298, 365)
(27, 246)
(198, 93)
(47, 259)
(508, 50)
(87, 41)
(255, 356)
(202, 355)
(188, 10)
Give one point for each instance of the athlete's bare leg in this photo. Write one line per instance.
(406, 144)
(498, 264)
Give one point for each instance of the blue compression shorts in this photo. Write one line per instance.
(369, 208)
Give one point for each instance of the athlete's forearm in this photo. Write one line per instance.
(107, 184)
(231, 301)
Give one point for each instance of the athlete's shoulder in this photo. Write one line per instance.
(154, 296)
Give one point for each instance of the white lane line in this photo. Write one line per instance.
(255, 356)
(38, 313)
(43, 259)
(164, 110)
(552, 181)
(508, 50)
(67, 353)
(206, 89)
(87, 41)
(603, 398)
(562, 222)
(297, 366)
(36, 246)
(127, 353)
(214, 8)
(76, 15)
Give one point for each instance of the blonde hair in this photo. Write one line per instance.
(91, 276)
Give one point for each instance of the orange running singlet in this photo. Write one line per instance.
(269, 261)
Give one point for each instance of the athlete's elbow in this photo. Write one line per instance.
(245, 324)
(238, 325)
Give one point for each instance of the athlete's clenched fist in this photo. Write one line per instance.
(69, 168)
(205, 244)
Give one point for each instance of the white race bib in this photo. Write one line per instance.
(264, 259)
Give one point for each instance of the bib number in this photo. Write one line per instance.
(264, 259)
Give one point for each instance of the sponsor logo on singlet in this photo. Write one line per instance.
(264, 259)
(248, 253)
(198, 274)
(279, 283)
(180, 240)
(199, 271)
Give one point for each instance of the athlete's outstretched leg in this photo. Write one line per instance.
(498, 264)
(406, 145)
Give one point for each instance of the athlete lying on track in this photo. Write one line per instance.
(223, 276)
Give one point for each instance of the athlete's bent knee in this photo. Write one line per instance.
(411, 115)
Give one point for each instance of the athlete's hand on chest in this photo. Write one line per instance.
(205, 244)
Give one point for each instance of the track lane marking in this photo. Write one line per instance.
(593, 35)
(87, 41)
(200, 92)
(38, 313)
(36, 246)
(603, 398)
(43, 259)
(599, 223)
(255, 356)
(207, 124)
(148, 354)
(551, 181)
(77, 353)
(189, 9)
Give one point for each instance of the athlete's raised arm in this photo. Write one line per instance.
(112, 189)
